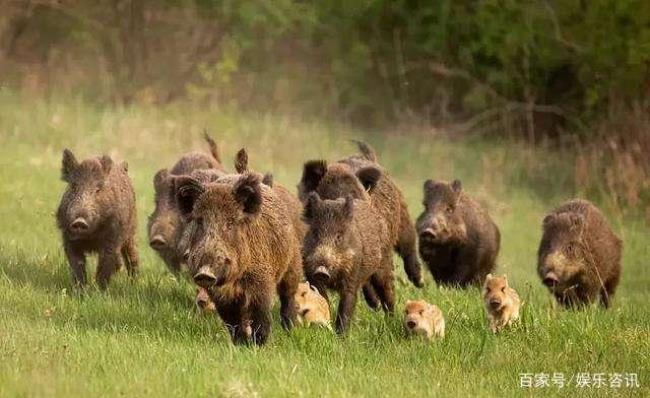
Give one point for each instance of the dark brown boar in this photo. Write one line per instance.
(458, 239)
(579, 257)
(97, 215)
(347, 245)
(353, 176)
(242, 247)
(165, 224)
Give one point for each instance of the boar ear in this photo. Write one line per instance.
(348, 207)
(548, 220)
(577, 221)
(369, 177)
(188, 190)
(313, 171)
(456, 186)
(68, 165)
(313, 201)
(241, 161)
(488, 277)
(248, 193)
(268, 180)
(160, 178)
(366, 150)
(125, 166)
(107, 163)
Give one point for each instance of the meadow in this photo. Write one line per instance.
(145, 338)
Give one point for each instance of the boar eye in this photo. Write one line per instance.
(449, 209)
(421, 312)
(304, 294)
(503, 289)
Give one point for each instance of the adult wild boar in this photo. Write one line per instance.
(165, 224)
(97, 215)
(346, 246)
(458, 239)
(242, 248)
(579, 257)
(353, 176)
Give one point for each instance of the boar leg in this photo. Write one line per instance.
(346, 308)
(233, 319)
(109, 262)
(130, 256)
(287, 290)
(77, 261)
(370, 295)
(383, 282)
(608, 291)
(261, 320)
(406, 248)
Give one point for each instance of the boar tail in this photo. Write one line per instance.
(214, 150)
(366, 150)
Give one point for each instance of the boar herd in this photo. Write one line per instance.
(243, 238)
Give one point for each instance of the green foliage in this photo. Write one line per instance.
(367, 61)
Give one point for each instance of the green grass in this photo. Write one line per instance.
(144, 338)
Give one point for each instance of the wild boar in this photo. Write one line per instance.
(458, 239)
(97, 215)
(312, 308)
(423, 319)
(242, 248)
(347, 245)
(165, 224)
(353, 176)
(579, 256)
(501, 302)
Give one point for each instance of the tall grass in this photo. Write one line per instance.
(144, 338)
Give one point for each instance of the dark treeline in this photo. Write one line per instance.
(534, 67)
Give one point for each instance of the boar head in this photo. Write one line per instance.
(86, 200)
(442, 220)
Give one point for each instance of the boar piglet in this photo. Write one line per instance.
(458, 239)
(347, 245)
(579, 257)
(501, 302)
(165, 224)
(353, 176)
(242, 248)
(97, 215)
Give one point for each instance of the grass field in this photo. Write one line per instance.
(144, 338)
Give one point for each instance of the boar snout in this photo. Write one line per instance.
(428, 233)
(157, 242)
(495, 304)
(411, 324)
(550, 279)
(321, 274)
(205, 277)
(79, 225)
(186, 255)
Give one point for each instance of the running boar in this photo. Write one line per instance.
(165, 224)
(242, 248)
(312, 308)
(97, 215)
(458, 239)
(423, 319)
(347, 245)
(353, 176)
(501, 302)
(579, 257)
